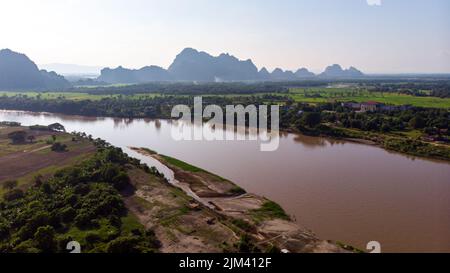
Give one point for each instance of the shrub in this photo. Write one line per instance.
(68, 214)
(59, 147)
(17, 136)
(45, 239)
(121, 181)
(13, 194)
(123, 244)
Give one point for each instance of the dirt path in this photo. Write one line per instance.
(38, 149)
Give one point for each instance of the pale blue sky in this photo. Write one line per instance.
(394, 37)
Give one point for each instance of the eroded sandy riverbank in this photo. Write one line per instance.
(264, 219)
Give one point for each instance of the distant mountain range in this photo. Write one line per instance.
(17, 71)
(71, 69)
(336, 71)
(193, 65)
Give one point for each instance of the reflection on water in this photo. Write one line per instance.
(341, 190)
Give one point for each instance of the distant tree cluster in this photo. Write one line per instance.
(420, 88)
(10, 123)
(327, 119)
(427, 119)
(124, 106)
(187, 88)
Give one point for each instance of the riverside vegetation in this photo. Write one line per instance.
(93, 193)
(419, 129)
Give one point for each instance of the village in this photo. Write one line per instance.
(373, 106)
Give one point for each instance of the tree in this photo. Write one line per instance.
(17, 136)
(311, 119)
(45, 238)
(13, 194)
(417, 122)
(121, 181)
(58, 147)
(68, 214)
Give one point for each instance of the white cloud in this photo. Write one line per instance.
(374, 2)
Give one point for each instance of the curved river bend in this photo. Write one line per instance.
(343, 191)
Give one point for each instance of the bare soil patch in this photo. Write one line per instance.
(245, 208)
(32, 157)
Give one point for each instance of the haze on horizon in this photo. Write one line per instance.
(376, 36)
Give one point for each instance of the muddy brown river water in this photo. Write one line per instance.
(343, 191)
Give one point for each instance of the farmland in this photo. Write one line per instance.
(22, 162)
(305, 95)
(320, 95)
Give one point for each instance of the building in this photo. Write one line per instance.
(373, 106)
(370, 106)
(352, 105)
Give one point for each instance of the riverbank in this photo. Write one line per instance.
(334, 187)
(265, 220)
(291, 119)
(390, 142)
(213, 215)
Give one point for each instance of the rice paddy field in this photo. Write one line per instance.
(317, 95)
(308, 95)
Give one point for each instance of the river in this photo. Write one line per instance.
(341, 190)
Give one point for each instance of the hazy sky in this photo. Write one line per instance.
(374, 35)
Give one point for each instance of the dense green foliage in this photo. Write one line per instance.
(188, 88)
(80, 203)
(431, 121)
(325, 116)
(409, 131)
(124, 106)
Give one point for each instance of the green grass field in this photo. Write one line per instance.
(317, 95)
(308, 95)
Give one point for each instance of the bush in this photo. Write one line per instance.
(123, 244)
(68, 214)
(45, 239)
(121, 181)
(84, 220)
(59, 147)
(17, 136)
(13, 194)
(92, 237)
